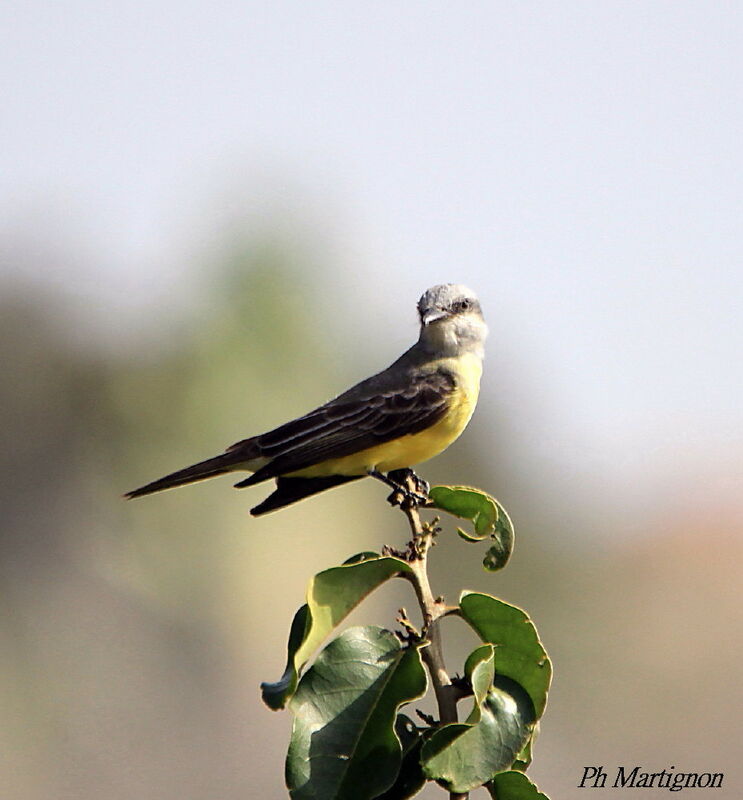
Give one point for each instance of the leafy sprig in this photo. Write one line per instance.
(350, 740)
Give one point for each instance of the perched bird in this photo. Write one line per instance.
(402, 416)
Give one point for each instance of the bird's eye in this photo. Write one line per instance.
(462, 305)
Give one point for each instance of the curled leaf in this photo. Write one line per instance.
(488, 517)
(519, 653)
(463, 756)
(331, 596)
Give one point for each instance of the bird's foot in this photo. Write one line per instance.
(407, 487)
(404, 476)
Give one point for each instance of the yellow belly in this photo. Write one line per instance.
(416, 447)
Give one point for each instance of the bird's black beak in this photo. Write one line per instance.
(433, 315)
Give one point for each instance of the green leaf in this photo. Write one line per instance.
(498, 554)
(514, 786)
(519, 653)
(480, 671)
(410, 778)
(524, 758)
(276, 695)
(343, 744)
(463, 756)
(331, 596)
(467, 503)
(489, 518)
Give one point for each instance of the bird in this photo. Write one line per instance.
(381, 427)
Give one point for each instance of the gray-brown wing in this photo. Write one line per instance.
(339, 428)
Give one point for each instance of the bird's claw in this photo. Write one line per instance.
(400, 496)
(409, 488)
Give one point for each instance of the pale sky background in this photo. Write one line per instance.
(577, 163)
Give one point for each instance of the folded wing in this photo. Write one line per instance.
(342, 427)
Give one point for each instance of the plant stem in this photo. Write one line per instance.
(432, 610)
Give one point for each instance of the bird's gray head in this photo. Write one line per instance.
(451, 320)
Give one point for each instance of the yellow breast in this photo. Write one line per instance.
(416, 447)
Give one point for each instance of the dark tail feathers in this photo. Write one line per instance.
(290, 490)
(204, 469)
